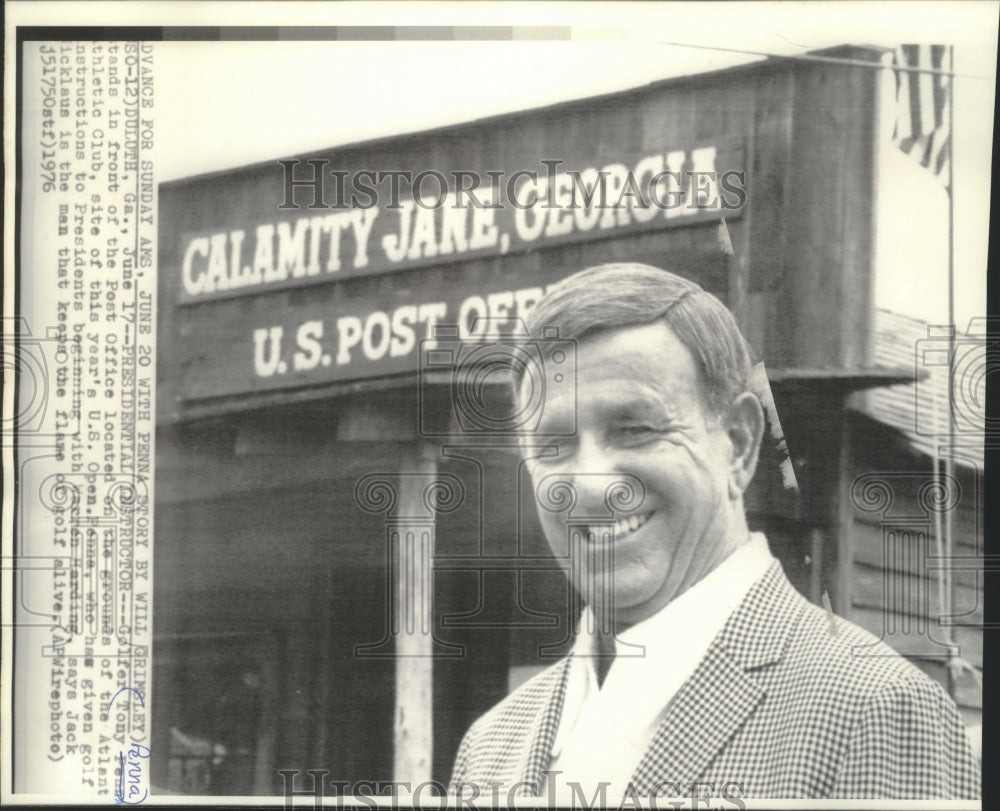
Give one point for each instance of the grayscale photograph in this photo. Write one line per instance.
(577, 406)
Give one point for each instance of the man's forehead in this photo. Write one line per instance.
(641, 373)
(646, 352)
(629, 399)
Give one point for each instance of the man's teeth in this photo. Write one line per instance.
(621, 527)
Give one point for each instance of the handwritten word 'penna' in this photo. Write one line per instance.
(131, 781)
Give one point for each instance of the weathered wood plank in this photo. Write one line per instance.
(414, 536)
(908, 637)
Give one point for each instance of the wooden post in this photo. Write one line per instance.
(842, 512)
(412, 535)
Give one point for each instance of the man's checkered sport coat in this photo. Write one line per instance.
(788, 702)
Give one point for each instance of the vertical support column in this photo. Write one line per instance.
(410, 500)
(843, 515)
(412, 541)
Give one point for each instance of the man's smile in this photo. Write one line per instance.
(621, 529)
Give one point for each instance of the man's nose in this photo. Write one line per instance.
(590, 497)
(590, 486)
(586, 457)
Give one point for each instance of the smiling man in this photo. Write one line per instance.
(698, 670)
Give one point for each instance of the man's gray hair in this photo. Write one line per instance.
(629, 294)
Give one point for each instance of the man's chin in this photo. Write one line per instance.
(627, 605)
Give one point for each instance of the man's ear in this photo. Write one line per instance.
(744, 423)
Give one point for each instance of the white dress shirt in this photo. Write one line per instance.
(604, 731)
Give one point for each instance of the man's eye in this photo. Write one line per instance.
(636, 431)
(550, 452)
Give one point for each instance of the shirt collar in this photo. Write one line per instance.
(712, 599)
(654, 657)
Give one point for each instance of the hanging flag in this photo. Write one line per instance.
(923, 128)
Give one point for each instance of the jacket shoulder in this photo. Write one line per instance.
(496, 743)
(868, 722)
(852, 655)
(778, 624)
(523, 704)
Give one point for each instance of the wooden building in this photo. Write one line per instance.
(349, 568)
(916, 528)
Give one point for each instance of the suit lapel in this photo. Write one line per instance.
(548, 713)
(699, 721)
(722, 692)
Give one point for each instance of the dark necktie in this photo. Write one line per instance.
(605, 657)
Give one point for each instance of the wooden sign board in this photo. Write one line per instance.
(329, 223)
(371, 327)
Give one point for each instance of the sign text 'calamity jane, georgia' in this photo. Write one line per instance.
(371, 222)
